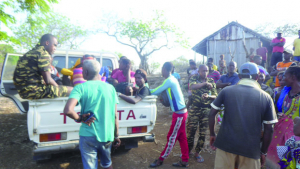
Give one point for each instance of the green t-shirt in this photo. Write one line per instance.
(99, 98)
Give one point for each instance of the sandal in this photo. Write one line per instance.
(156, 163)
(180, 164)
(199, 159)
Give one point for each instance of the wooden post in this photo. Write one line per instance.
(206, 51)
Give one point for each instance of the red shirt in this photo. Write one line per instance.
(121, 78)
(114, 71)
(262, 52)
(278, 48)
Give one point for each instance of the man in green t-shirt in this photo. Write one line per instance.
(97, 133)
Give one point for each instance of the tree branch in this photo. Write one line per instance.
(166, 45)
(114, 35)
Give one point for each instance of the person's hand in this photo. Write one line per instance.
(90, 121)
(209, 85)
(134, 88)
(262, 160)
(117, 142)
(130, 91)
(212, 140)
(205, 96)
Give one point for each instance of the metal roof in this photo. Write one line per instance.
(201, 46)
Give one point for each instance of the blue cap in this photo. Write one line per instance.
(251, 67)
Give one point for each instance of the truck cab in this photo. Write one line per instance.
(52, 131)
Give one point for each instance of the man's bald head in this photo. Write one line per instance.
(202, 66)
(203, 71)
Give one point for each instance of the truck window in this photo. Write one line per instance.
(106, 62)
(10, 66)
(72, 61)
(59, 62)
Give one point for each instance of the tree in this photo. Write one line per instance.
(144, 36)
(30, 6)
(153, 67)
(60, 26)
(180, 63)
(4, 49)
(270, 30)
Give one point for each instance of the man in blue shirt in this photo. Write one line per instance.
(231, 78)
(177, 129)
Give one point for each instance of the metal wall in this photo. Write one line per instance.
(231, 36)
(218, 47)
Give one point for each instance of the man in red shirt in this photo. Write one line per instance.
(277, 44)
(263, 52)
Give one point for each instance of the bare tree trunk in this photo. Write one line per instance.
(144, 63)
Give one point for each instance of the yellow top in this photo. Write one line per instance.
(215, 67)
(297, 47)
(69, 72)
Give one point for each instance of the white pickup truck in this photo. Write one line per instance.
(53, 132)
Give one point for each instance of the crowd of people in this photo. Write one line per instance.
(253, 99)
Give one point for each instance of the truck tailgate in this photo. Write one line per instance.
(46, 116)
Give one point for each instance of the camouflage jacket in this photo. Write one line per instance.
(197, 94)
(29, 67)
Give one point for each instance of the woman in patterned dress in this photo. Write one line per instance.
(289, 100)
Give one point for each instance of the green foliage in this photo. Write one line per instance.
(4, 49)
(12, 60)
(32, 7)
(147, 31)
(145, 36)
(119, 54)
(181, 64)
(154, 66)
(270, 30)
(60, 26)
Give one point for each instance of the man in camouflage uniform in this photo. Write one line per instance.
(32, 76)
(203, 93)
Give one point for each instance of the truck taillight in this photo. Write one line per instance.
(53, 137)
(140, 129)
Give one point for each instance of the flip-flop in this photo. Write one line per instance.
(199, 159)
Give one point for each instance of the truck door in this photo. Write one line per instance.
(8, 88)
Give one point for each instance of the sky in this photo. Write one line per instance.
(198, 19)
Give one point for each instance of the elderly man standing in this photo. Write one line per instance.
(203, 93)
(231, 78)
(97, 133)
(32, 76)
(239, 137)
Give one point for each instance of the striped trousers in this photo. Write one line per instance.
(177, 132)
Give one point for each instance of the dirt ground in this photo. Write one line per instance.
(16, 149)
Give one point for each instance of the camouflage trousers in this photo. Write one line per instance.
(41, 91)
(197, 117)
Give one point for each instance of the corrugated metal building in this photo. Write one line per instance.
(230, 38)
